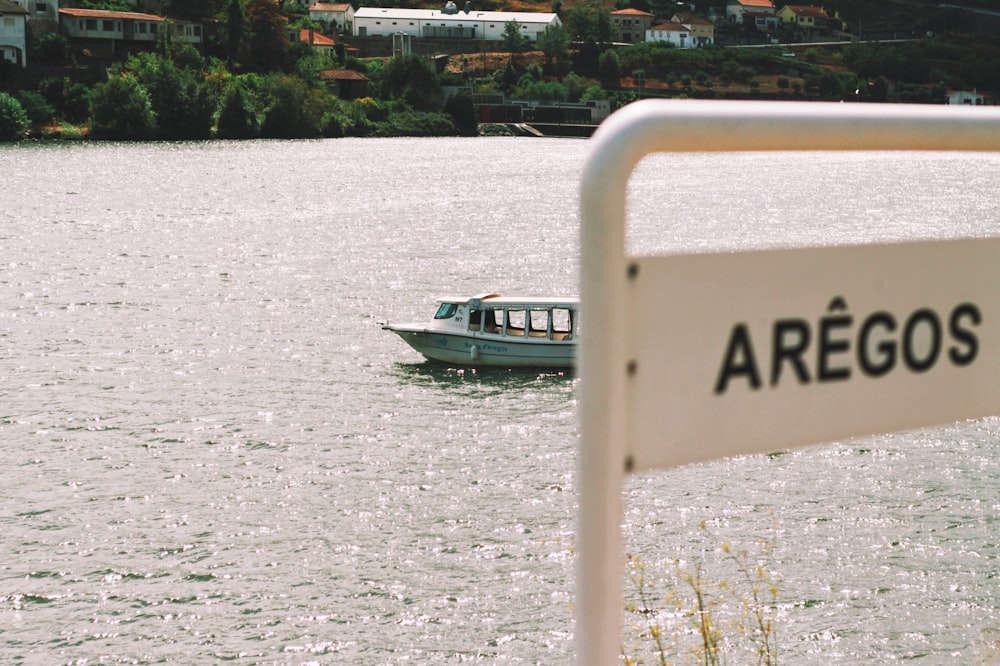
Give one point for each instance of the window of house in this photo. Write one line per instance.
(41, 7)
(8, 22)
(108, 26)
(197, 30)
(141, 28)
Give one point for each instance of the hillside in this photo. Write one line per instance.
(953, 46)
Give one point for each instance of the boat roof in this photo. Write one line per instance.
(496, 300)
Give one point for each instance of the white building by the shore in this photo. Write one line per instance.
(458, 24)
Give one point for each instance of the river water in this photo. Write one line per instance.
(212, 452)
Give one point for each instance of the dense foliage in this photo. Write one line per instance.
(13, 119)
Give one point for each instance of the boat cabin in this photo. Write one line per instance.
(553, 319)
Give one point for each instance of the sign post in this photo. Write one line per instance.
(690, 358)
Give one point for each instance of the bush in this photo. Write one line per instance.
(70, 100)
(417, 123)
(463, 113)
(294, 111)
(50, 48)
(39, 111)
(121, 109)
(237, 117)
(13, 119)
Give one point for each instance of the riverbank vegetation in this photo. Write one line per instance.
(250, 82)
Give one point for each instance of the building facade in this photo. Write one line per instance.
(338, 19)
(630, 25)
(108, 32)
(737, 9)
(13, 27)
(432, 23)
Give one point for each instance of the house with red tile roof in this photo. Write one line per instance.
(345, 83)
(630, 25)
(336, 18)
(671, 33)
(114, 33)
(702, 30)
(806, 20)
(736, 10)
(320, 42)
(13, 42)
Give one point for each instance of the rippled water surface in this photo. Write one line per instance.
(212, 452)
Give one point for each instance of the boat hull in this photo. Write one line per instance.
(487, 351)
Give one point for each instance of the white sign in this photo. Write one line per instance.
(758, 351)
(691, 358)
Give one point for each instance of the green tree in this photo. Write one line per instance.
(577, 86)
(70, 100)
(238, 118)
(553, 42)
(294, 110)
(121, 109)
(546, 91)
(459, 106)
(235, 31)
(512, 40)
(610, 67)
(577, 22)
(182, 103)
(267, 40)
(50, 48)
(410, 78)
(13, 119)
(590, 23)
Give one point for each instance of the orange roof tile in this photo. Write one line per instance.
(329, 7)
(630, 12)
(342, 75)
(100, 13)
(316, 39)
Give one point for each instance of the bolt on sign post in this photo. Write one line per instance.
(696, 357)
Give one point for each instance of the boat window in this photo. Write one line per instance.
(446, 311)
(475, 319)
(492, 320)
(515, 322)
(562, 324)
(538, 324)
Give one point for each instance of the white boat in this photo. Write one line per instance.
(499, 331)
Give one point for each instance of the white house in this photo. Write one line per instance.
(966, 97)
(338, 18)
(736, 9)
(461, 24)
(13, 47)
(94, 24)
(672, 33)
(40, 10)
